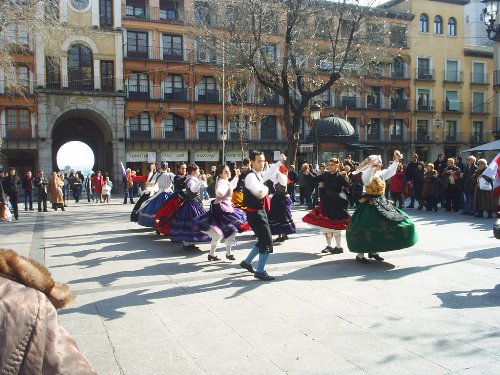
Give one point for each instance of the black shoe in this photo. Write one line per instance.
(210, 257)
(264, 276)
(247, 266)
(39, 210)
(327, 249)
(410, 206)
(31, 209)
(194, 247)
(336, 250)
(362, 260)
(25, 209)
(45, 210)
(375, 256)
(62, 209)
(230, 257)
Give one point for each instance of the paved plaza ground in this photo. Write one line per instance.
(145, 306)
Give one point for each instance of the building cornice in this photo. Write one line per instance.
(478, 53)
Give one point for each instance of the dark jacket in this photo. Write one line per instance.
(469, 182)
(27, 183)
(310, 181)
(448, 174)
(411, 168)
(11, 185)
(41, 184)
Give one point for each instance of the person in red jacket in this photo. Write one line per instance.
(97, 182)
(397, 186)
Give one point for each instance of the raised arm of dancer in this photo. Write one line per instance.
(391, 171)
(268, 173)
(282, 179)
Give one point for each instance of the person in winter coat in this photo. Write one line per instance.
(397, 186)
(411, 177)
(28, 185)
(469, 185)
(31, 339)
(55, 192)
(450, 177)
(418, 178)
(11, 185)
(483, 199)
(429, 188)
(97, 182)
(41, 184)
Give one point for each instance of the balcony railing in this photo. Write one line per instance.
(453, 76)
(479, 108)
(270, 100)
(373, 137)
(270, 135)
(396, 137)
(138, 92)
(479, 78)
(65, 82)
(175, 94)
(452, 106)
(476, 138)
(23, 131)
(168, 15)
(425, 106)
(422, 137)
(349, 102)
(207, 136)
(399, 104)
(143, 52)
(424, 74)
(208, 96)
(452, 137)
(399, 72)
(173, 134)
(496, 78)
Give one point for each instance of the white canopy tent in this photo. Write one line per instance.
(492, 146)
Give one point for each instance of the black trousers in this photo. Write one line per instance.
(258, 221)
(42, 199)
(14, 200)
(452, 199)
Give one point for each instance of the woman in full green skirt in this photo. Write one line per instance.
(376, 225)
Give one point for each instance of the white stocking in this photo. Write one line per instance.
(338, 236)
(229, 243)
(328, 237)
(215, 240)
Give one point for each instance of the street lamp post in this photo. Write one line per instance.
(223, 136)
(315, 110)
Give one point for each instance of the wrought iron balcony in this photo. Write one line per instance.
(139, 12)
(424, 74)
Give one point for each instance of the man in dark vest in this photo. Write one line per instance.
(256, 199)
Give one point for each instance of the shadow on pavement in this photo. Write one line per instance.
(475, 298)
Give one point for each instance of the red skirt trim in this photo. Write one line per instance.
(165, 215)
(318, 218)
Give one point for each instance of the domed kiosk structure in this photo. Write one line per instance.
(334, 136)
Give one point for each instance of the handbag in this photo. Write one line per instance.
(484, 185)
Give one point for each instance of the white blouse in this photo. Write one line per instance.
(254, 182)
(384, 174)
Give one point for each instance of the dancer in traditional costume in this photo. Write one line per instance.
(256, 199)
(191, 208)
(376, 225)
(134, 215)
(223, 220)
(161, 191)
(166, 214)
(280, 215)
(237, 198)
(331, 214)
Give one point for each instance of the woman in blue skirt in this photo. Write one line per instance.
(160, 192)
(280, 215)
(223, 220)
(192, 207)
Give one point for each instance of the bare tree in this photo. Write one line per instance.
(23, 23)
(295, 48)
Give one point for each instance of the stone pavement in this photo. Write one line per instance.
(144, 306)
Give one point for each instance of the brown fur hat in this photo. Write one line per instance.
(34, 275)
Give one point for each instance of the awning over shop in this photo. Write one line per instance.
(492, 146)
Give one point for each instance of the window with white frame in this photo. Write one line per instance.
(18, 119)
(450, 130)
(23, 76)
(396, 129)
(174, 88)
(138, 85)
(424, 99)
(207, 90)
(452, 26)
(452, 102)
(172, 47)
(438, 24)
(424, 23)
(423, 130)
(207, 127)
(479, 72)
(174, 126)
(477, 131)
(140, 123)
(478, 102)
(452, 71)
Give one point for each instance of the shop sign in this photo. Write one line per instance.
(306, 148)
(137, 156)
(174, 155)
(151, 157)
(207, 156)
(235, 156)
